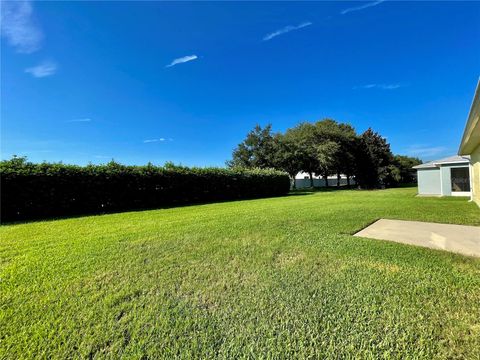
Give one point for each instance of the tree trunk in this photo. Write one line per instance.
(326, 180)
(311, 179)
(338, 179)
(294, 185)
(348, 181)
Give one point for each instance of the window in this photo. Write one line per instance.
(460, 179)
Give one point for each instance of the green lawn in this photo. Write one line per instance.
(270, 278)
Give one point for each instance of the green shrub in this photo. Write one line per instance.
(33, 191)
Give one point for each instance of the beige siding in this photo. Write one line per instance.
(475, 160)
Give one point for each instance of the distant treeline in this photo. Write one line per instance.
(326, 148)
(34, 191)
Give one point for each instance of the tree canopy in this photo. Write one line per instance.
(325, 148)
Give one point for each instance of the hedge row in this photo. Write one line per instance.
(34, 191)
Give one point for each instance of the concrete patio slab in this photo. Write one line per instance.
(455, 238)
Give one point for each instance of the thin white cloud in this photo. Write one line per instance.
(285, 30)
(79, 120)
(43, 69)
(18, 27)
(182, 60)
(361, 7)
(36, 152)
(425, 150)
(156, 140)
(380, 86)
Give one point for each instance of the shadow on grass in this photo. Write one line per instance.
(135, 209)
(309, 191)
(296, 192)
(331, 189)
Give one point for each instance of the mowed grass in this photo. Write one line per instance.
(269, 278)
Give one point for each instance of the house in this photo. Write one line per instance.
(302, 180)
(445, 177)
(470, 144)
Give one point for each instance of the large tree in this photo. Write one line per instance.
(325, 148)
(401, 171)
(304, 137)
(342, 154)
(372, 160)
(405, 166)
(327, 156)
(257, 150)
(348, 149)
(288, 156)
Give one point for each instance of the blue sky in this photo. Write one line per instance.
(184, 82)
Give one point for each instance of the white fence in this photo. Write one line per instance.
(305, 183)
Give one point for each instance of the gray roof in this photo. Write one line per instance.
(455, 159)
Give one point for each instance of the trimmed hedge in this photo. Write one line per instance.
(34, 191)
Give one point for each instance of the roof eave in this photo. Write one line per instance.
(436, 165)
(452, 162)
(471, 133)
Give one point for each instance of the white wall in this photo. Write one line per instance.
(429, 181)
(305, 183)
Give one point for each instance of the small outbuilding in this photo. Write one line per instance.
(445, 177)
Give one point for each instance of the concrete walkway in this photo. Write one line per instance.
(456, 238)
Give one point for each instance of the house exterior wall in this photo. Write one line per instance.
(470, 144)
(475, 174)
(429, 181)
